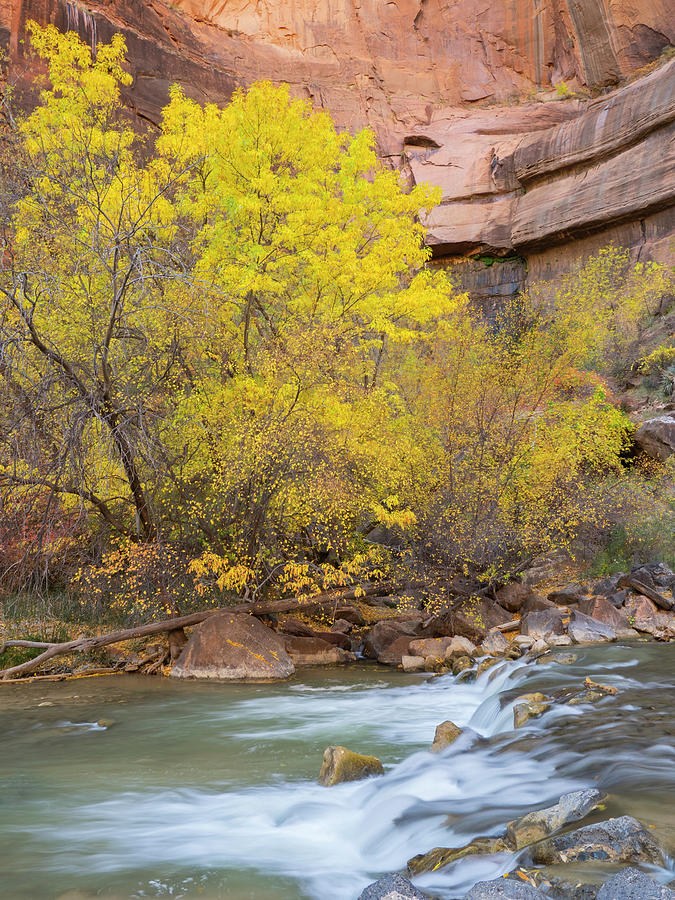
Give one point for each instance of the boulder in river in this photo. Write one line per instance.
(446, 734)
(585, 630)
(459, 646)
(234, 647)
(632, 884)
(623, 839)
(543, 822)
(543, 624)
(531, 709)
(429, 646)
(412, 663)
(392, 887)
(341, 764)
(504, 889)
(393, 654)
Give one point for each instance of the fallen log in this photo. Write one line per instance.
(641, 588)
(33, 645)
(261, 608)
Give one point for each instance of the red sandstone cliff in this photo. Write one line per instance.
(444, 85)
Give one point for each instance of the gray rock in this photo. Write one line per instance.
(586, 630)
(543, 822)
(392, 887)
(541, 626)
(632, 884)
(623, 839)
(607, 586)
(656, 437)
(571, 593)
(504, 889)
(494, 643)
(535, 603)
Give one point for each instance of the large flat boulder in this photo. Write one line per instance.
(383, 634)
(623, 839)
(234, 647)
(602, 610)
(542, 625)
(586, 630)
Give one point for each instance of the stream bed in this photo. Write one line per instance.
(196, 790)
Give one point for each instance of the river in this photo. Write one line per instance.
(209, 790)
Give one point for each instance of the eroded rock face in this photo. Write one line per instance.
(428, 77)
(234, 647)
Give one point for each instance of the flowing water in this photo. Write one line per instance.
(209, 790)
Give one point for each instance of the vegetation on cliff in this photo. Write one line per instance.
(224, 361)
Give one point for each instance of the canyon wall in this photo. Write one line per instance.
(539, 119)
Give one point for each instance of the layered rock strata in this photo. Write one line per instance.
(445, 88)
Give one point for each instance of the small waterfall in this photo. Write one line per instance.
(83, 22)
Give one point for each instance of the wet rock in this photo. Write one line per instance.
(106, 723)
(571, 593)
(540, 626)
(486, 664)
(313, 651)
(383, 634)
(494, 643)
(543, 822)
(601, 688)
(513, 595)
(340, 765)
(412, 663)
(434, 664)
(234, 647)
(632, 884)
(523, 712)
(446, 734)
(460, 664)
(623, 839)
(585, 630)
(600, 609)
(443, 856)
(504, 889)
(392, 887)
(429, 646)
(539, 647)
(656, 437)
(566, 659)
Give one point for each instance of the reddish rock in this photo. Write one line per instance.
(384, 633)
(429, 646)
(645, 616)
(312, 651)
(471, 618)
(601, 609)
(350, 614)
(393, 654)
(234, 647)
(513, 595)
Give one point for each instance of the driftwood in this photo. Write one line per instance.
(641, 588)
(269, 607)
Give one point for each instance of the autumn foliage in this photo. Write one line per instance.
(224, 360)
